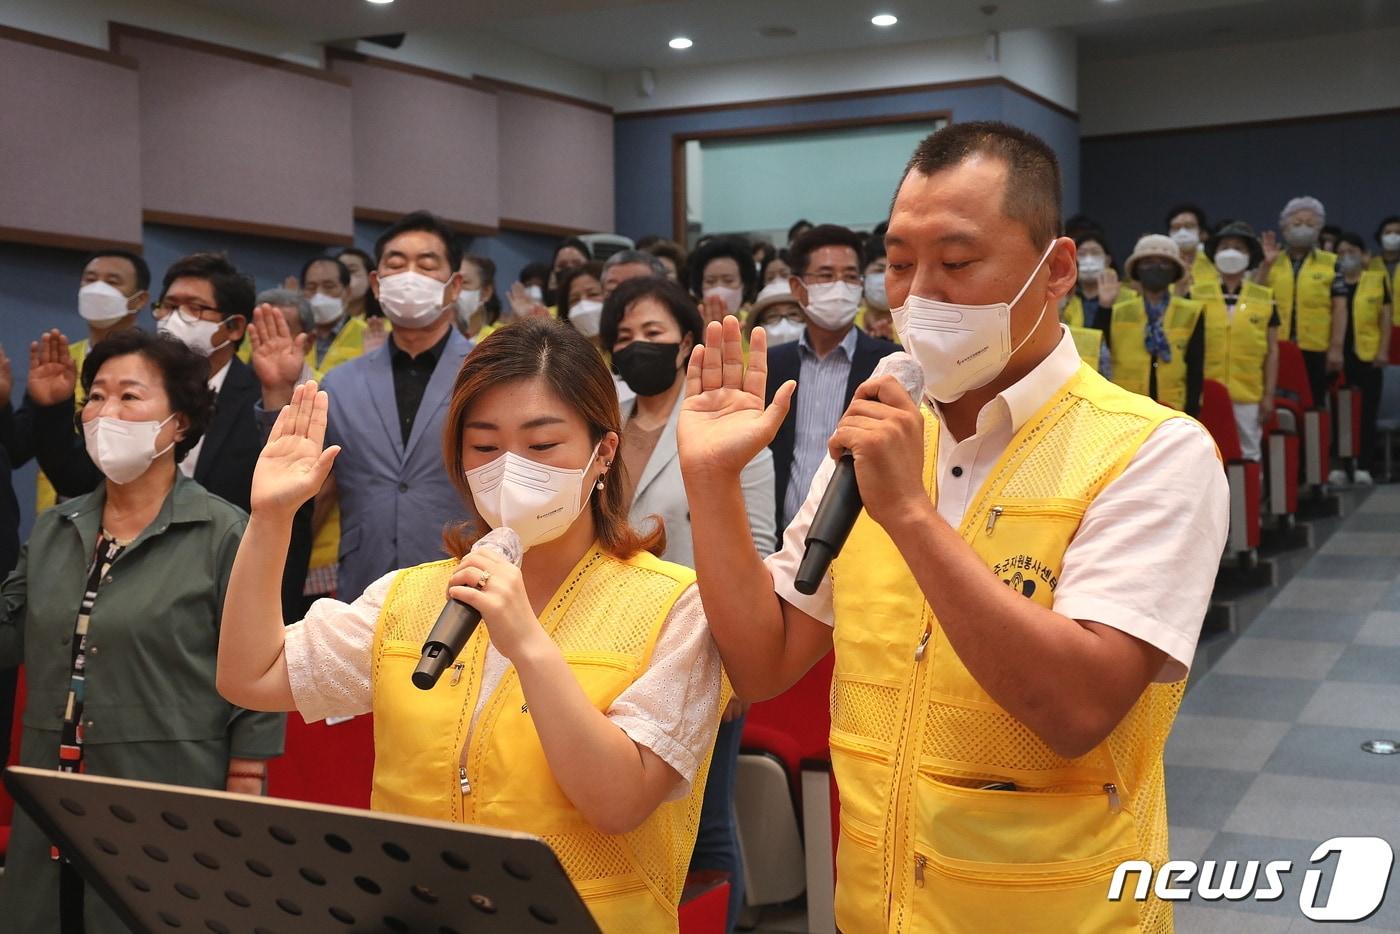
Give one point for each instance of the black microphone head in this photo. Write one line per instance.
(904, 368)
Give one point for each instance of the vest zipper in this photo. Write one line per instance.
(992, 516)
(923, 643)
(897, 825)
(463, 780)
(457, 673)
(1115, 803)
(920, 860)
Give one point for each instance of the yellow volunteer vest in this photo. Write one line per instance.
(1308, 297)
(1202, 268)
(1237, 347)
(44, 493)
(914, 737)
(605, 618)
(1377, 264)
(1087, 340)
(1365, 312)
(1132, 365)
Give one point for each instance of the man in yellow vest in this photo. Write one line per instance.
(1017, 606)
(1156, 339)
(1241, 329)
(1302, 286)
(1363, 302)
(1186, 225)
(115, 286)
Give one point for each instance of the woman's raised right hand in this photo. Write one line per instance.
(294, 464)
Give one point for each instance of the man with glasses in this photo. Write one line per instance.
(829, 360)
(206, 304)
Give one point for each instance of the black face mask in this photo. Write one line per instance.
(648, 367)
(1156, 277)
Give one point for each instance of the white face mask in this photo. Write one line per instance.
(1187, 238)
(326, 309)
(468, 301)
(196, 335)
(1390, 242)
(411, 299)
(1090, 267)
(585, 314)
(833, 305)
(783, 331)
(537, 501)
(733, 298)
(1231, 261)
(875, 293)
(961, 347)
(1300, 236)
(100, 303)
(123, 450)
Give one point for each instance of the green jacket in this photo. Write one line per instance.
(151, 711)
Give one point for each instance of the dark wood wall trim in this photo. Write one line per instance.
(334, 54)
(118, 31)
(224, 225)
(380, 216)
(60, 241)
(63, 45)
(678, 141)
(854, 95)
(551, 230)
(499, 85)
(1250, 125)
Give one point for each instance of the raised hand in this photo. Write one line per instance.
(1109, 287)
(277, 356)
(293, 465)
(713, 308)
(7, 378)
(522, 305)
(53, 376)
(723, 423)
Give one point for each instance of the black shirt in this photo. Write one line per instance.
(411, 375)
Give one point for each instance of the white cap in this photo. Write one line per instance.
(774, 293)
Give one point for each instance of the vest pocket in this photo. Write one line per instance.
(1016, 860)
(860, 899)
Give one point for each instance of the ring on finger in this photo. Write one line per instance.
(483, 580)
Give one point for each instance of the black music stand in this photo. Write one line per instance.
(167, 857)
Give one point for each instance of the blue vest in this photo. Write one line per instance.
(395, 498)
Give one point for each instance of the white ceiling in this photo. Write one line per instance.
(620, 34)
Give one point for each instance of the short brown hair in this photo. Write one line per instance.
(1032, 194)
(547, 349)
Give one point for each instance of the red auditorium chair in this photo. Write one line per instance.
(1218, 415)
(325, 763)
(7, 804)
(1294, 394)
(784, 772)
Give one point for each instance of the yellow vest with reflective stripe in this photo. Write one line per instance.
(44, 493)
(1308, 296)
(1237, 347)
(605, 618)
(914, 736)
(1365, 313)
(1132, 364)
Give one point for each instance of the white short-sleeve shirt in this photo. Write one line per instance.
(1144, 558)
(671, 709)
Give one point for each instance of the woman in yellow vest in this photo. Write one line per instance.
(478, 305)
(1363, 301)
(1241, 325)
(1084, 310)
(1388, 260)
(585, 707)
(1302, 286)
(1156, 340)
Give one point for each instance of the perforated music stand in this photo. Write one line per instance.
(167, 858)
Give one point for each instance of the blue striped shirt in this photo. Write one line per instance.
(821, 400)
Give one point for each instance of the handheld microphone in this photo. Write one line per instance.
(841, 504)
(457, 621)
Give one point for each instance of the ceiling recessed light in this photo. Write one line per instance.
(884, 19)
(680, 42)
(381, 1)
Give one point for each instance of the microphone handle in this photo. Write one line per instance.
(449, 635)
(831, 526)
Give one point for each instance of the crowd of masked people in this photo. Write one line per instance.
(147, 438)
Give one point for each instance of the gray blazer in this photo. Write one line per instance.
(660, 491)
(395, 499)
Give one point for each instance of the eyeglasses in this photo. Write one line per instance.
(191, 312)
(823, 278)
